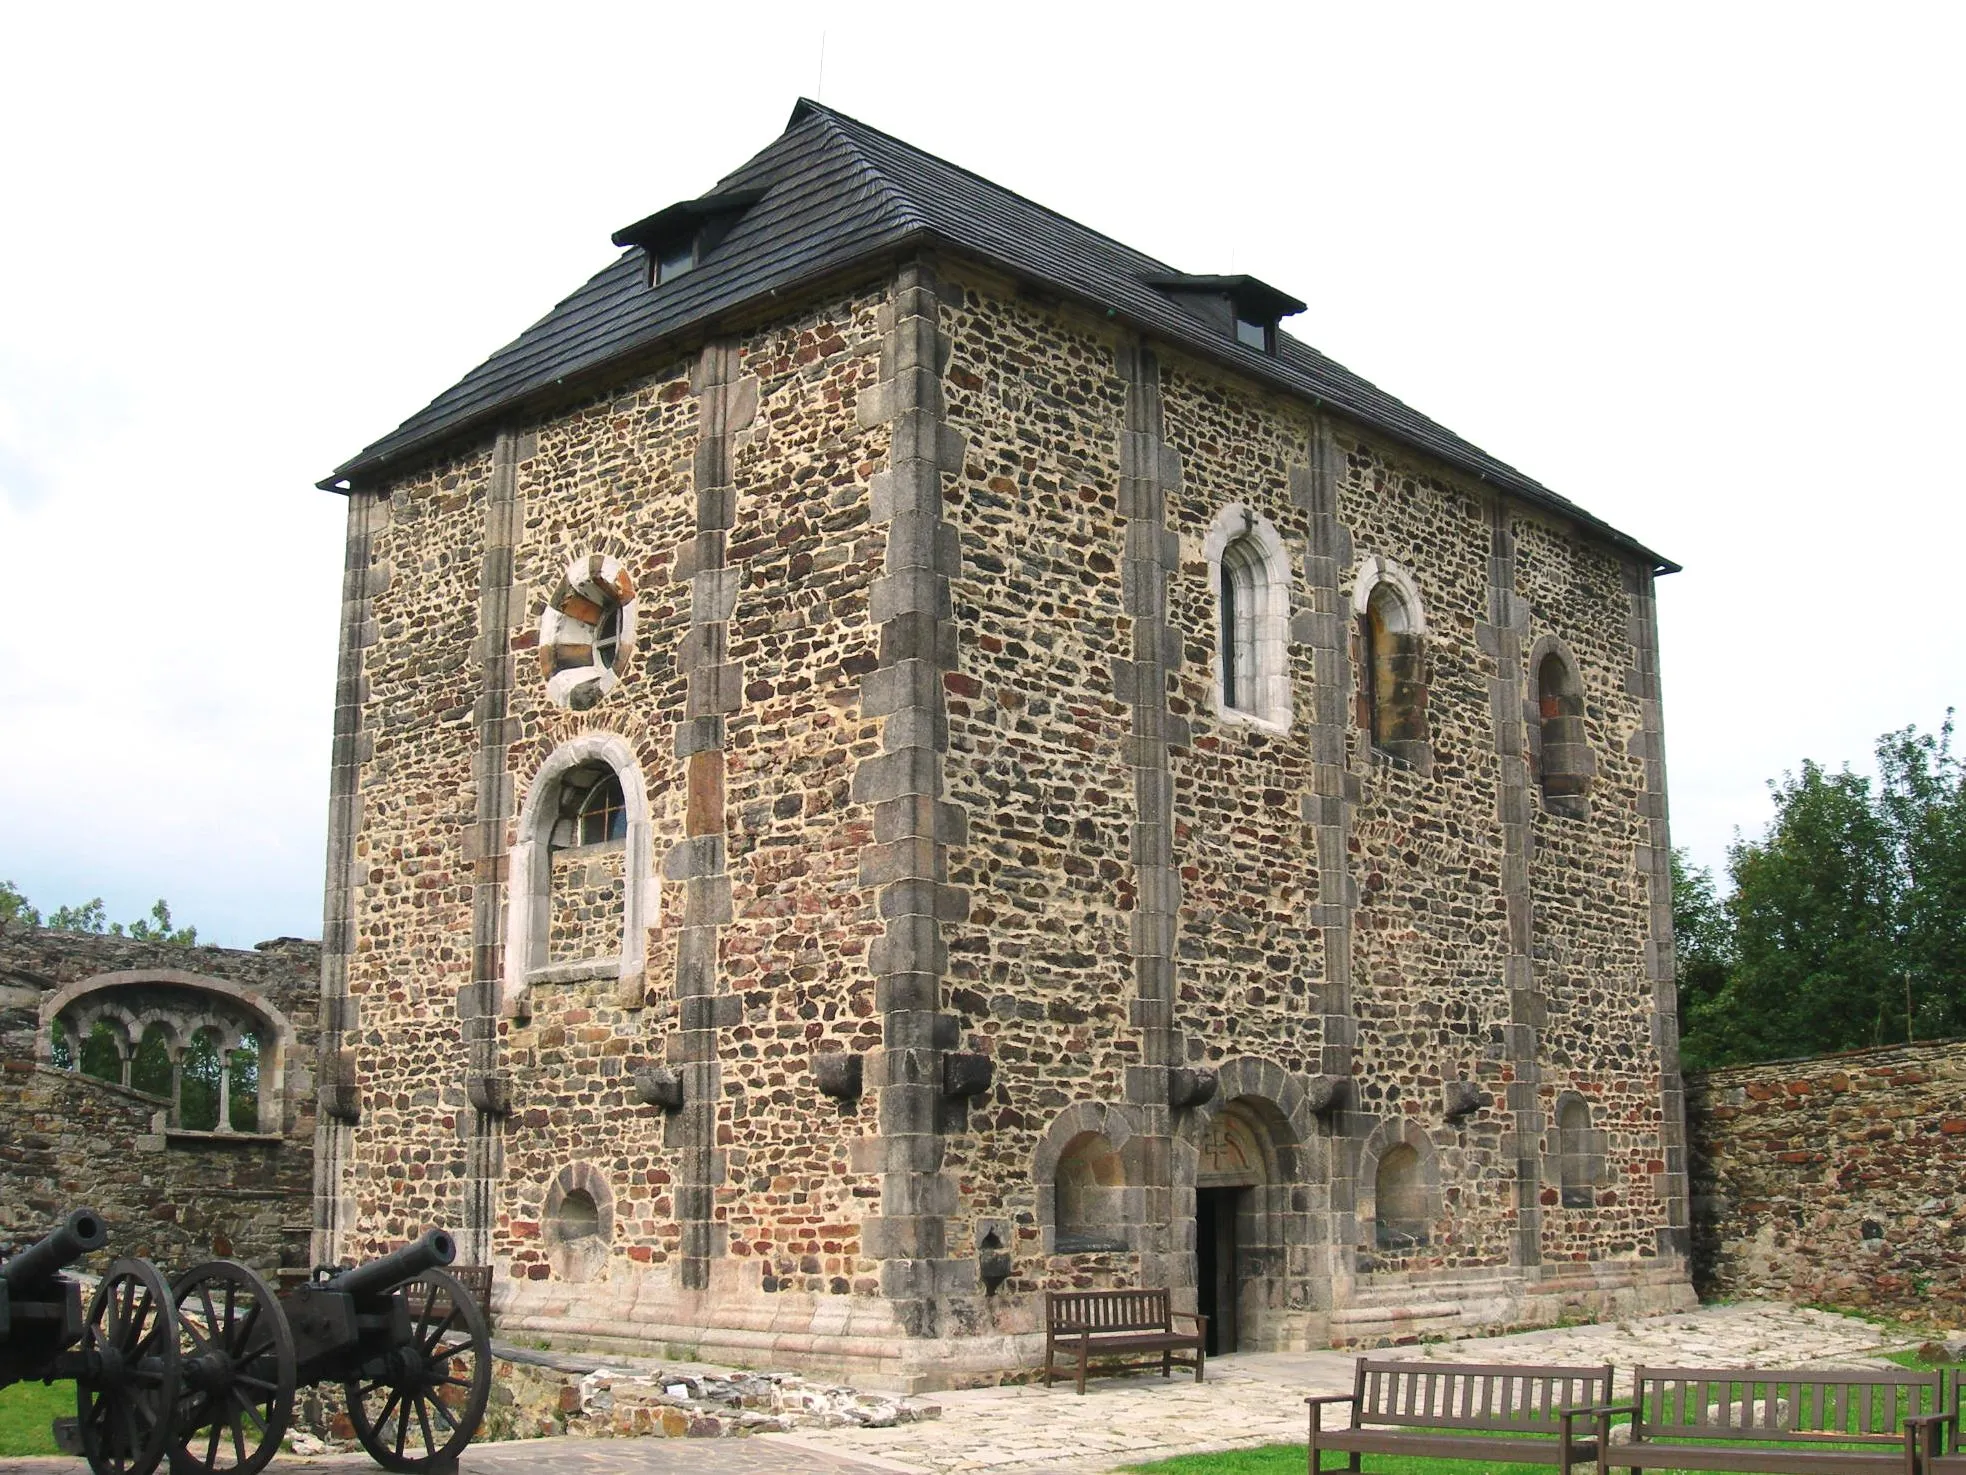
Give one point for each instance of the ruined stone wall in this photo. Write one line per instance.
(68, 1140)
(1835, 1179)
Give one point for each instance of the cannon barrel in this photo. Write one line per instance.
(81, 1232)
(378, 1277)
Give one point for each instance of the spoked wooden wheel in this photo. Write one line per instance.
(128, 1386)
(416, 1406)
(238, 1385)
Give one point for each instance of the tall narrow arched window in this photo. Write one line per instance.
(1241, 584)
(1391, 653)
(1251, 572)
(1564, 764)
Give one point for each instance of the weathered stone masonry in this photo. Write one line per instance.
(1836, 1179)
(967, 940)
(913, 823)
(170, 1193)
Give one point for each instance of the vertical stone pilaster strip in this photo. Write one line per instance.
(1654, 862)
(1506, 634)
(1326, 629)
(1149, 470)
(907, 862)
(700, 861)
(485, 843)
(334, 1209)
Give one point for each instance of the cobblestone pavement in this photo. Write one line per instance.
(1252, 1398)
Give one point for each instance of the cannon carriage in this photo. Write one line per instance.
(408, 1344)
(204, 1370)
(123, 1352)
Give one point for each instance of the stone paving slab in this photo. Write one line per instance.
(1251, 1398)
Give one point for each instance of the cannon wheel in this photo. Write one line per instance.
(416, 1407)
(124, 1401)
(238, 1371)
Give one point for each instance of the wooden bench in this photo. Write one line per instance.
(1938, 1435)
(1123, 1324)
(1465, 1411)
(1786, 1422)
(477, 1279)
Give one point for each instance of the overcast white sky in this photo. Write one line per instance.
(1697, 267)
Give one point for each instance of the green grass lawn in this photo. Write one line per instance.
(1288, 1459)
(26, 1410)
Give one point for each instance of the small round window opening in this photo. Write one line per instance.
(587, 632)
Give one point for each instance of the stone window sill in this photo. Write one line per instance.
(579, 972)
(188, 1137)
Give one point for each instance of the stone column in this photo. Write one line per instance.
(1653, 856)
(334, 1210)
(485, 839)
(1326, 629)
(1504, 635)
(224, 1091)
(1149, 471)
(907, 861)
(726, 405)
(177, 1087)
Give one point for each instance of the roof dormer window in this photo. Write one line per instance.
(1239, 306)
(674, 260)
(1260, 336)
(681, 238)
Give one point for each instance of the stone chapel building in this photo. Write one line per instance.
(893, 753)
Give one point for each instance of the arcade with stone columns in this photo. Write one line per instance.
(893, 754)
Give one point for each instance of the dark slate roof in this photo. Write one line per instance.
(831, 194)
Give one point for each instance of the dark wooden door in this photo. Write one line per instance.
(1215, 1264)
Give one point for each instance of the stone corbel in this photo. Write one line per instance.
(839, 1074)
(1190, 1086)
(966, 1074)
(341, 1093)
(658, 1085)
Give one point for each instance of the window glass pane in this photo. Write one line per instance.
(675, 261)
(1256, 335)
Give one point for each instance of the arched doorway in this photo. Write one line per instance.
(1228, 1176)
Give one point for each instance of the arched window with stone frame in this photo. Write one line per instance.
(581, 889)
(215, 1050)
(1390, 658)
(1250, 570)
(1559, 746)
(1087, 1201)
(1399, 1190)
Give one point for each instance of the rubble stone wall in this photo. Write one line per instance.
(68, 1140)
(1836, 1179)
(928, 779)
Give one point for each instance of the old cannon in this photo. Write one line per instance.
(408, 1344)
(123, 1354)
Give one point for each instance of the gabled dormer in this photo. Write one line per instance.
(678, 239)
(1240, 306)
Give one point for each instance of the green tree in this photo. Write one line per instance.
(1847, 917)
(1923, 797)
(1703, 940)
(92, 916)
(14, 910)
